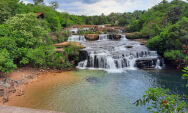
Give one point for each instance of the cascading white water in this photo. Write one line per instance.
(123, 37)
(103, 37)
(157, 66)
(106, 54)
(76, 38)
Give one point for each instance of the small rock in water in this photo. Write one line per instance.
(92, 80)
(129, 46)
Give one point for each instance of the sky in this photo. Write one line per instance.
(97, 7)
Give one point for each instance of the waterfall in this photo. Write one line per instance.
(76, 38)
(103, 37)
(157, 66)
(111, 55)
(123, 37)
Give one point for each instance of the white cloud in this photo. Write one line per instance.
(108, 6)
(25, 1)
(96, 7)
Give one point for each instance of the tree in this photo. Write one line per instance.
(24, 31)
(54, 5)
(164, 2)
(6, 62)
(37, 2)
(7, 9)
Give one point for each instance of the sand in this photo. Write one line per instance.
(45, 80)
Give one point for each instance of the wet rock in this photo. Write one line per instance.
(83, 55)
(146, 63)
(142, 43)
(129, 46)
(92, 37)
(117, 37)
(114, 36)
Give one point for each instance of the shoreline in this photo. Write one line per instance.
(31, 79)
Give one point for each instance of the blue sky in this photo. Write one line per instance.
(96, 7)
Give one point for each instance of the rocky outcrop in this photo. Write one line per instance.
(64, 44)
(146, 63)
(83, 55)
(92, 37)
(115, 36)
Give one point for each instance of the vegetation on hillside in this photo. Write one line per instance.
(25, 39)
(166, 26)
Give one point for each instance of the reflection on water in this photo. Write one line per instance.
(101, 92)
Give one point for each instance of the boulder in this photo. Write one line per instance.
(146, 63)
(117, 37)
(83, 55)
(114, 36)
(92, 37)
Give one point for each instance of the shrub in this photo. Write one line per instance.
(156, 44)
(10, 45)
(162, 102)
(6, 62)
(174, 55)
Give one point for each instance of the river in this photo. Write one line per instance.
(102, 92)
(108, 79)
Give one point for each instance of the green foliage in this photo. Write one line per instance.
(7, 9)
(6, 62)
(40, 56)
(134, 35)
(62, 36)
(169, 42)
(37, 2)
(27, 30)
(156, 44)
(10, 45)
(152, 28)
(54, 5)
(174, 55)
(160, 101)
(185, 75)
(72, 52)
(26, 41)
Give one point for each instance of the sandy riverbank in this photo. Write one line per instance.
(44, 80)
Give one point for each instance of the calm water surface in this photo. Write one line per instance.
(101, 92)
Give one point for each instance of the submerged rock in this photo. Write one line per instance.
(92, 80)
